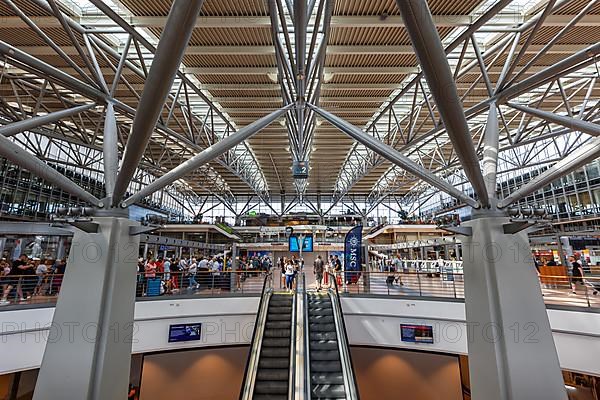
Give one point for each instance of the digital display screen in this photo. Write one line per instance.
(417, 333)
(307, 245)
(184, 332)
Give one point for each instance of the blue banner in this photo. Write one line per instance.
(352, 254)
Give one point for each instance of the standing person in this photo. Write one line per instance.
(289, 275)
(398, 267)
(192, 270)
(11, 280)
(167, 271)
(337, 268)
(41, 271)
(577, 273)
(28, 279)
(284, 263)
(318, 269)
(149, 271)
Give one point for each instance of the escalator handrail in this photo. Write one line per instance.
(306, 332)
(292, 371)
(344, 343)
(253, 356)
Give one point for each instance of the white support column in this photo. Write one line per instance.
(512, 355)
(88, 354)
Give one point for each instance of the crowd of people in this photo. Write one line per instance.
(176, 274)
(195, 273)
(28, 277)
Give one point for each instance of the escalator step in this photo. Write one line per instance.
(321, 319)
(320, 311)
(332, 378)
(275, 352)
(278, 333)
(279, 317)
(320, 307)
(267, 374)
(271, 387)
(329, 391)
(274, 363)
(325, 366)
(322, 328)
(270, 396)
(319, 355)
(278, 325)
(280, 310)
(323, 345)
(280, 303)
(323, 335)
(276, 342)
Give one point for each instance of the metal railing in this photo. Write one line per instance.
(247, 391)
(343, 342)
(33, 289)
(557, 289)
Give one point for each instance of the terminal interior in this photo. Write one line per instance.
(300, 199)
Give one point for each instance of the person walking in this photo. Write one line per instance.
(319, 266)
(577, 274)
(290, 273)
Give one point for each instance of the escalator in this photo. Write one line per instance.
(270, 368)
(273, 375)
(329, 367)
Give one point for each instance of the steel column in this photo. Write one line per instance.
(22, 158)
(207, 155)
(93, 319)
(394, 156)
(110, 150)
(490, 151)
(512, 354)
(434, 63)
(167, 59)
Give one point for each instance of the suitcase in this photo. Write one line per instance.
(153, 288)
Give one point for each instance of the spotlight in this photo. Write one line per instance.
(539, 212)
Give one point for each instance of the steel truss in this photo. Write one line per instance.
(189, 121)
(102, 79)
(567, 89)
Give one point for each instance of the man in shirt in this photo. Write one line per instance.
(167, 271)
(397, 262)
(318, 269)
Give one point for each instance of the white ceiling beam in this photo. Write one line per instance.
(270, 50)
(337, 21)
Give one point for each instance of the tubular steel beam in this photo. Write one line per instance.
(582, 58)
(22, 158)
(434, 63)
(578, 158)
(492, 12)
(167, 59)
(110, 150)
(51, 72)
(393, 155)
(49, 41)
(31, 123)
(568, 122)
(207, 155)
(490, 151)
